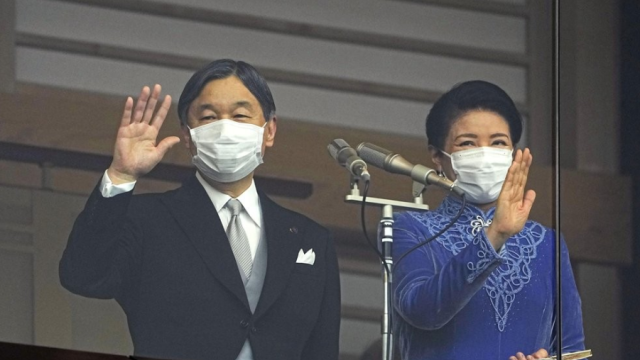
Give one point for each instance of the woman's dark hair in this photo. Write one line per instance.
(221, 69)
(469, 96)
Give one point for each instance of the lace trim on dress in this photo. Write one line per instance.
(507, 280)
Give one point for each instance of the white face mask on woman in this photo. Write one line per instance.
(480, 172)
(226, 150)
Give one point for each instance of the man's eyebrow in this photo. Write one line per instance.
(237, 104)
(206, 106)
(243, 103)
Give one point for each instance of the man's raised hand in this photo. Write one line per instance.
(136, 150)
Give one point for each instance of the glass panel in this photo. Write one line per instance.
(350, 85)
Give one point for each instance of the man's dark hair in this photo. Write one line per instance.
(221, 69)
(469, 96)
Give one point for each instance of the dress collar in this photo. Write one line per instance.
(451, 205)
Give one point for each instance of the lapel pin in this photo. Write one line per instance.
(293, 230)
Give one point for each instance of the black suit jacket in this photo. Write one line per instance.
(166, 259)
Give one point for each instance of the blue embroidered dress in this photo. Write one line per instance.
(457, 298)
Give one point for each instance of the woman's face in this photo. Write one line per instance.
(476, 128)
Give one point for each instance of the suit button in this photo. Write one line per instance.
(253, 329)
(244, 323)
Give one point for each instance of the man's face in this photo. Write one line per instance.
(227, 98)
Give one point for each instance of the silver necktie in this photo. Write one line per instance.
(238, 238)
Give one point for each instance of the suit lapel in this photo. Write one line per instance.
(196, 215)
(282, 248)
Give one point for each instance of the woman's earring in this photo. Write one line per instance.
(441, 174)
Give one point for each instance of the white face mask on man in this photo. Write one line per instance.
(480, 172)
(226, 150)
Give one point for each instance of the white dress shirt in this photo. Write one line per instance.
(251, 218)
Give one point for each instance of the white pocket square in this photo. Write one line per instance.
(308, 257)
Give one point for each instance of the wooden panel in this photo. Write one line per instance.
(73, 121)
(596, 216)
(443, 24)
(16, 297)
(539, 81)
(96, 74)
(440, 72)
(111, 336)
(505, 7)
(7, 46)
(356, 336)
(519, 2)
(601, 292)
(11, 237)
(360, 313)
(363, 262)
(597, 85)
(162, 59)
(19, 174)
(15, 207)
(593, 210)
(318, 105)
(260, 48)
(363, 291)
(54, 214)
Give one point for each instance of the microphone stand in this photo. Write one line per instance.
(385, 243)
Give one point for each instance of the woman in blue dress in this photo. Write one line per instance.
(484, 289)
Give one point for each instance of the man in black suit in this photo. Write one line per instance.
(213, 269)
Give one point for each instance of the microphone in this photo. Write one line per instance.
(347, 157)
(395, 163)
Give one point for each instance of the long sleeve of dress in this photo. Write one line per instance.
(430, 288)
(457, 298)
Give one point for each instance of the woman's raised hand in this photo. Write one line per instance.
(514, 204)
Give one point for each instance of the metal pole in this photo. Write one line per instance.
(556, 171)
(386, 244)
